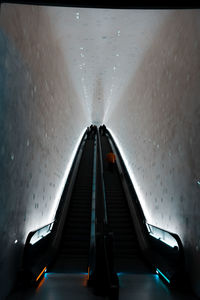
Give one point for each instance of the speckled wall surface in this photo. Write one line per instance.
(157, 122)
(41, 120)
(136, 71)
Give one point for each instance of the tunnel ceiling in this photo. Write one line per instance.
(125, 4)
(102, 50)
(138, 71)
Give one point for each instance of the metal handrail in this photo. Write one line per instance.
(102, 180)
(93, 215)
(40, 238)
(175, 236)
(154, 241)
(32, 233)
(126, 177)
(54, 222)
(106, 275)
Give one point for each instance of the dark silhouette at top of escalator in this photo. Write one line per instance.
(102, 129)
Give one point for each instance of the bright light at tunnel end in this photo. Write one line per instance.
(133, 179)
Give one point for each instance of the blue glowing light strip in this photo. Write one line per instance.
(158, 271)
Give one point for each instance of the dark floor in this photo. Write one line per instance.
(74, 287)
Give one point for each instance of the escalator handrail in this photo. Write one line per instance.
(126, 176)
(50, 239)
(174, 235)
(55, 221)
(107, 236)
(132, 190)
(48, 231)
(92, 249)
(102, 179)
(131, 187)
(93, 206)
(167, 254)
(78, 153)
(167, 257)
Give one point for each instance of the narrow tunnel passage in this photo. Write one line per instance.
(137, 71)
(66, 272)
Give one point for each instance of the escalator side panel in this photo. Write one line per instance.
(126, 248)
(73, 253)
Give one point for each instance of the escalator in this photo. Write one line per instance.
(96, 233)
(127, 254)
(142, 252)
(75, 242)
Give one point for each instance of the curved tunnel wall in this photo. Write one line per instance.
(41, 122)
(156, 124)
(154, 117)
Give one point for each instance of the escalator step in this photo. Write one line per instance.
(67, 252)
(126, 247)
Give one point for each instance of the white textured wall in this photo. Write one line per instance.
(157, 123)
(138, 71)
(41, 120)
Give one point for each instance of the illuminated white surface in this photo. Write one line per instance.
(102, 49)
(137, 72)
(63, 181)
(162, 235)
(156, 123)
(40, 233)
